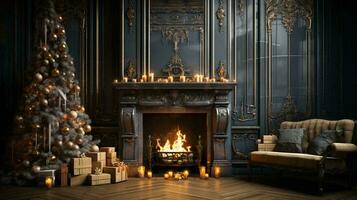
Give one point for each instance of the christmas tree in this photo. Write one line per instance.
(52, 124)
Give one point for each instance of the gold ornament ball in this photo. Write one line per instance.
(52, 157)
(44, 48)
(35, 152)
(44, 102)
(69, 144)
(65, 130)
(77, 88)
(65, 116)
(79, 140)
(55, 72)
(19, 119)
(46, 90)
(26, 163)
(75, 147)
(94, 148)
(82, 109)
(87, 128)
(59, 143)
(62, 31)
(71, 63)
(38, 77)
(46, 62)
(54, 37)
(48, 55)
(36, 168)
(36, 126)
(80, 131)
(52, 60)
(57, 56)
(73, 114)
(60, 18)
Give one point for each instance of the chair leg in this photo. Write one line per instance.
(321, 174)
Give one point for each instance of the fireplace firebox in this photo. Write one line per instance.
(160, 110)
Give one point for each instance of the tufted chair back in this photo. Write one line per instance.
(315, 126)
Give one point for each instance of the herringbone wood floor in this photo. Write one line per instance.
(194, 188)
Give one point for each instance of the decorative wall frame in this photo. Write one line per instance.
(289, 10)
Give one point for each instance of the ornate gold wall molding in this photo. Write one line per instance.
(220, 14)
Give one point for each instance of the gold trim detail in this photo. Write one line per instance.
(130, 13)
(131, 70)
(241, 6)
(220, 14)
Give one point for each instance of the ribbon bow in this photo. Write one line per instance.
(97, 171)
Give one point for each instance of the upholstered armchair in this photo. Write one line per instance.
(332, 161)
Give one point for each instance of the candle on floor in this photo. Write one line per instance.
(185, 174)
(202, 171)
(125, 79)
(49, 182)
(149, 174)
(182, 78)
(206, 176)
(170, 173)
(141, 171)
(170, 79)
(177, 176)
(151, 77)
(144, 78)
(217, 171)
(166, 176)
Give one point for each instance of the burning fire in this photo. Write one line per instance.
(177, 146)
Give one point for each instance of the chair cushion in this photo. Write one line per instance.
(290, 140)
(319, 144)
(294, 160)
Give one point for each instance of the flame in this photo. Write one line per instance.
(177, 146)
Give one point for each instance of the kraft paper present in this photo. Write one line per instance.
(266, 147)
(107, 149)
(116, 175)
(99, 179)
(81, 166)
(78, 180)
(97, 156)
(97, 164)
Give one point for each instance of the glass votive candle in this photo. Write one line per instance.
(202, 171)
(141, 171)
(217, 171)
(166, 176)
(185, 174)
(170, 173)
(206, 176)
(149, 174)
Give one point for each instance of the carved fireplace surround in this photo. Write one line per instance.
(212, 99)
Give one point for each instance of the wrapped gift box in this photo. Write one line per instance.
(97, 164)
(269, 139)
(111, 158)
(99, 179)
(107, 149)
(62, 175)
(115, 173)
(78, 180)
(81, 166)
(123, 170)
(97, 156)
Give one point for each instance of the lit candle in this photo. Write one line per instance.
(206, 79)
(133, 80)
(151, 77)
(141, 171)
(182, 78)
(196, 78)
(166, 176)
(165, 80)
(170, 79)
(217, 171)
(202, 171)
(206, 176)
(149, 174)
(213, 80)
(225, 80)
(185, 174)
(115, 80)
(144, 78)
(201, 78)
(125, 79)
(170, 173)
(49, 182)
(141, 80)
(177, 176)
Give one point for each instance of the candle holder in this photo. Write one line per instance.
(49, 182)
(149, 174)
(202, 171)
(141, 171)
(217, 171)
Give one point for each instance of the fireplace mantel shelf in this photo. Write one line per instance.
(174, 86)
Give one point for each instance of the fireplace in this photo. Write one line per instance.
(175, 139)
(159, 110)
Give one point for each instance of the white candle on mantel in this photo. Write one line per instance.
(151, 77)
(170, 79)
(125, 79)
(206, 79)
(144, 78)
(182, 78)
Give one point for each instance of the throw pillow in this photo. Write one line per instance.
(290, 140)
(319, 144)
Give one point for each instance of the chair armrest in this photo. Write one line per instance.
(343, 147)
